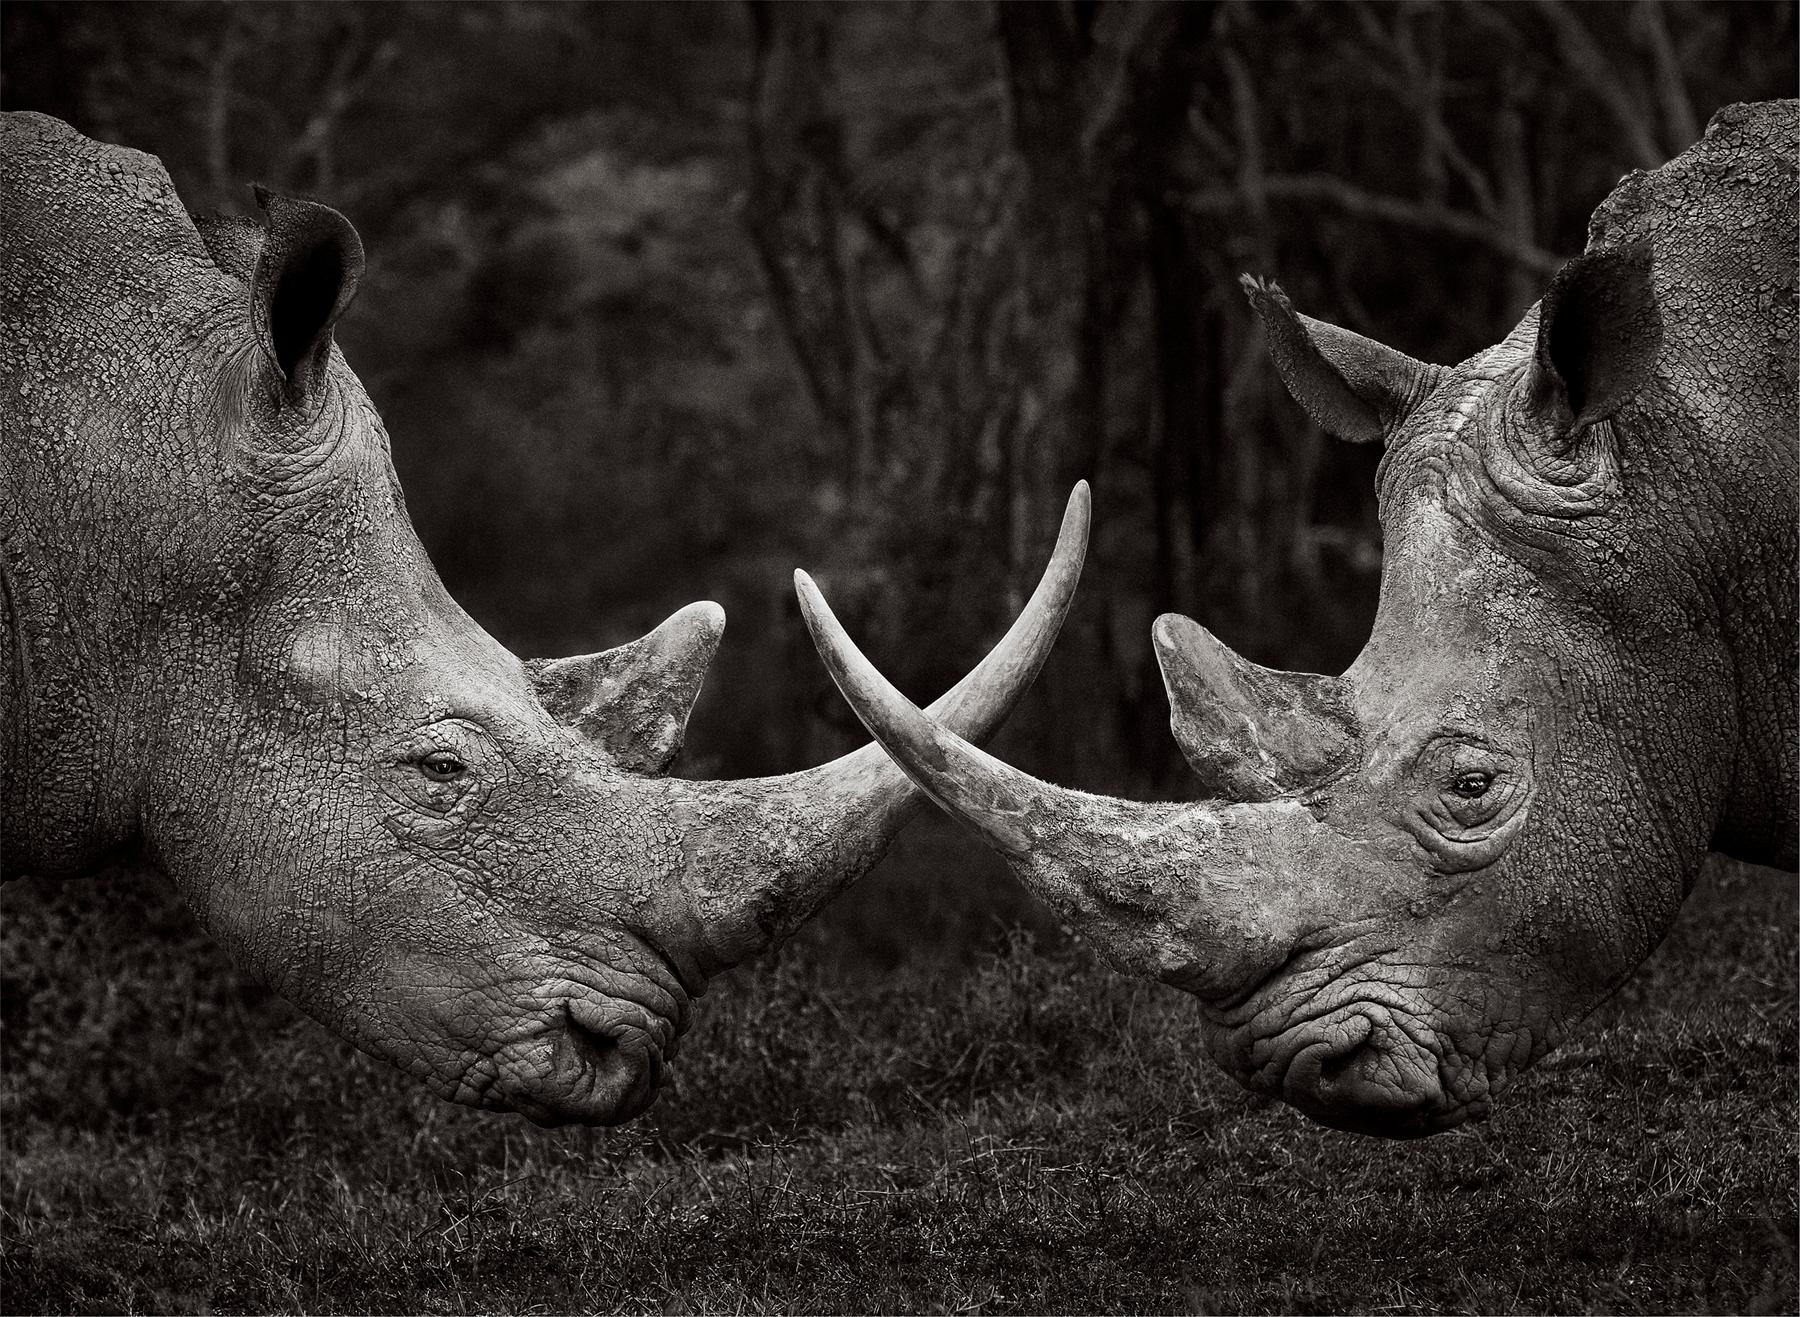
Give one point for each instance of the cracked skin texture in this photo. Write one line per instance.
(225, 649)
(1411, 880)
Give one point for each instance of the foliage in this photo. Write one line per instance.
(1023, 1132)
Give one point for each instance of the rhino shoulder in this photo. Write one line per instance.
(26, 135)
(1738, 175)
(1767, 124)
(20, 130)
(97, 205)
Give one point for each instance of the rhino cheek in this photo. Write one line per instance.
(486, 959)
(439, 978)
(511, 978)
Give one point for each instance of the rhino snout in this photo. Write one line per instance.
(598, 1061)
(1370, 1073)
(618, 1065)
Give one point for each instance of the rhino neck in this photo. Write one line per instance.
(93, 458)
(1716, 436)
(1744, 490)
(65, 806)
(1758, 822)
(122, 666)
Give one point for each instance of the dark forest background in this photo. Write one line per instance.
(667, 299)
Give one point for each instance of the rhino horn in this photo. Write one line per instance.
(975, 787)
(633, 701)
(764, 853)
(1250, 733)
(1354, 387)
(1183, 893)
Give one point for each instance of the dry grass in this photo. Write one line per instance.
(1005, 1128)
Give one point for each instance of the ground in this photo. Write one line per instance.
(995, 1124)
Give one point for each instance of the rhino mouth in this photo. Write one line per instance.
(587, 1059)
(1366, 1070)
(691, 981)
(575, 1036)
(614, 1065)
(1368, 1061)
(611, 1049)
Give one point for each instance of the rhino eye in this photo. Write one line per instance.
(1471, 786)
(441, 767)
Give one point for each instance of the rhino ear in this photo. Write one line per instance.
(305, 276)
(1250, 733)
(1599, 330)
(1354, 387)
(634, 701)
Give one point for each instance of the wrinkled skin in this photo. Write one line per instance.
(1411, 880)
(225, 649)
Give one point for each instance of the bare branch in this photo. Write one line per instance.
(1252, 181)
(770, 195)
(1399, 66)
(1515, 215)
(1112, 67)
(345, 85)
(218, 108)
(1582, 55)
(1352, 200)
(1677, 108)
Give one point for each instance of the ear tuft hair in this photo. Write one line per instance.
(1354, 387)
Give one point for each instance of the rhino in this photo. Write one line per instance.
(225, 651)
(1406, 883)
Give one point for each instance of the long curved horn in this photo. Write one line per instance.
(1008, 808)
(1181, 893)
(762, 854)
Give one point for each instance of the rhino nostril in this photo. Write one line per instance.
(1367, 1075)
(615, 1063)
(596, 1047)
(1336, 1065)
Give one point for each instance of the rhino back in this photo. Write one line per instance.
(1723, 447)
(1723, 219)
(108, 304)
(94, 232)
(105, 289)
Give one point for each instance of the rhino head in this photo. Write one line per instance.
(1409, 880)
(225, 647)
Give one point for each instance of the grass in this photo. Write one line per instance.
(990, 1123)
